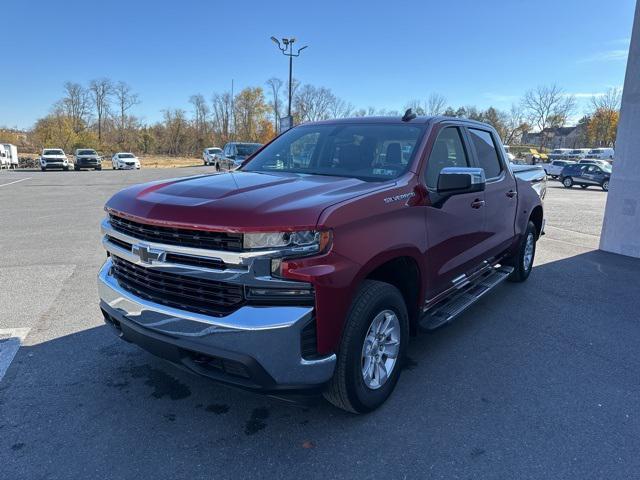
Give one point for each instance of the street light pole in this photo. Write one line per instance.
(286, 47)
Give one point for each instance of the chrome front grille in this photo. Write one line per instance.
(231, 242)
(178, 291)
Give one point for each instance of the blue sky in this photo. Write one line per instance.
(370, 53)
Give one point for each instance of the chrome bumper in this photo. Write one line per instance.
(269, 335)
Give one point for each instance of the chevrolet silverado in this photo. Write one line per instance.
(309, 267)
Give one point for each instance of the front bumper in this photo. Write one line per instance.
(255, 347)
(88, 162)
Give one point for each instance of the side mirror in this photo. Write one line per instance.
(459, 180)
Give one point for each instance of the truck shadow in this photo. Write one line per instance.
(504, 372)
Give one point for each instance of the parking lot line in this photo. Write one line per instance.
(16, 181)
(10, 341)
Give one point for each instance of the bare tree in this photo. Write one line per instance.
(76, 104)
(276, 85)
(609, 101)
(175, 130)
(547, 106)
(222, 107)
(436, 104)
(313, 103)
(126, 99)
(515, 124)
(101, 93)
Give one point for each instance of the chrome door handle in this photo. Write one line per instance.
(477, 203)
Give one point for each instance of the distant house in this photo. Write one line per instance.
(557, 137)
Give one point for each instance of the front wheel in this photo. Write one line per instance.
(44, 169)
(372, 348)
(583, 186)
(605, 185)
(568, 182)
(522, 262)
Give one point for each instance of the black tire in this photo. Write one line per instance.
(584, 186)
(217, 167)
(44, 169)
(77, 169)
(347, 389)
(66, 169)
(521, 271)
(98, 168)
(567, 182)
(605, 185)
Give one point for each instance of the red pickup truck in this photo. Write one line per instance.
(310, 266)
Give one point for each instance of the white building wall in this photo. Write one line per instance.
(621, 229)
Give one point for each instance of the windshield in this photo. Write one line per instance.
(365, 151)
(87, 152)
(214, 150)
(246, 149)
(125, 155)
(53, 152)
(606, 167)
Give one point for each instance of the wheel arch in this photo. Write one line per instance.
(402, 269)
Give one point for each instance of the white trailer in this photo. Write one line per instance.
(4, 161)
(11, 151)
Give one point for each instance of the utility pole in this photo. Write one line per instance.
(286, 47)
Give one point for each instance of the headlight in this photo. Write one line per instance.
(280, 240)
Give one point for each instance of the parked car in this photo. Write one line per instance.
(586, 175)
(211, 156)
(559, 154)
(577, 154)
(4, 162)
(53, 158)
(283, 277)
(554, 168)
(234, 153)
(11, 154)
(125, 161)
(87, 158)
(601, 153)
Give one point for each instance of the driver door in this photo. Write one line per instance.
(454, 228)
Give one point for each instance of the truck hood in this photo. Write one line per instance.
(239, 201)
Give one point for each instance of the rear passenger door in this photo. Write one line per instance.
(500, 193)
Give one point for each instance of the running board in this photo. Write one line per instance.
(447, 310)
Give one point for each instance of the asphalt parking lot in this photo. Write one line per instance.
(537, 380)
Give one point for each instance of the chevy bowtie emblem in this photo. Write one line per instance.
(148, 254)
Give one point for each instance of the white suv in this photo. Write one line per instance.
(53, 158)
(554, 168)
(211, 156)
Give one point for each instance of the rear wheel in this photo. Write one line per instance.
(522, 262)
(567, 182)
(584, 186)
(373, 343)
(605, 185)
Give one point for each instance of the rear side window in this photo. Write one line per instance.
(448, 151)
(487, 152)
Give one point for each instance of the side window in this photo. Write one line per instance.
(487, 152)
(448, 151)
